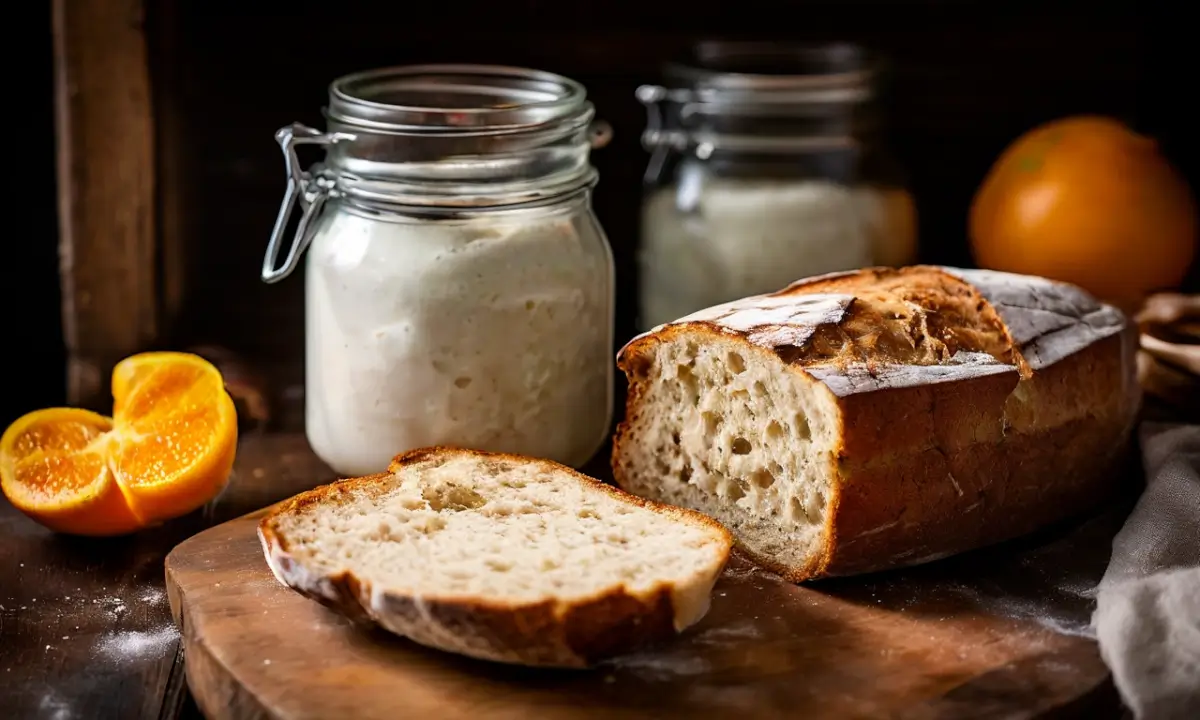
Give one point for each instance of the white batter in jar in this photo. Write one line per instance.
(476, 313)
(767, 167)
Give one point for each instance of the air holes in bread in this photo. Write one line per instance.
(736, 363)
(762, 478)
(452, 497)
(735, 490)
(803, 431)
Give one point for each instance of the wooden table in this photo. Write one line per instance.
(85, 627)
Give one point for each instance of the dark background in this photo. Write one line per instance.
(965, 82)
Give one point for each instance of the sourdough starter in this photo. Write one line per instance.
(711, 240)
(491, 333)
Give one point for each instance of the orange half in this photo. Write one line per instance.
(176, 433)
(168, 450)
(54, 468)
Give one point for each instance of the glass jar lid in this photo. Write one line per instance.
(452, 99)
(439, 139)
(777, 72)
(760, 97)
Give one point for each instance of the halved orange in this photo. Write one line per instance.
(54, 468)
(168, 450)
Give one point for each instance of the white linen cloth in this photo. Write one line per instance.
(1147, 618)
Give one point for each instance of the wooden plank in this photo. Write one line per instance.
(105, 133)
(174, 187)
(1000, 633)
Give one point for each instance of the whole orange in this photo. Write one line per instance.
(1088, 201)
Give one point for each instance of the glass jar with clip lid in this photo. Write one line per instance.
(767, 165)
(459, 287)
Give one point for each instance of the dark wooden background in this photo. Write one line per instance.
(224, 75)
(967, 79)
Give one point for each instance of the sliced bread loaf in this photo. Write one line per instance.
(873, 419)
(498, 557)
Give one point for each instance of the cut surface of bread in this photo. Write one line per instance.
(499, 557)
(879, 418)
(719, 429)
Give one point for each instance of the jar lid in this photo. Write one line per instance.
(763, 98)
(438, 140)
(455, 99)
(721, 72)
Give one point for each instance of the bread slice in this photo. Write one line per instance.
(880, 418)
(498, 557)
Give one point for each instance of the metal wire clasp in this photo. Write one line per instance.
(307, 188)
(657, 137)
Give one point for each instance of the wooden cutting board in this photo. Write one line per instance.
(996, 633)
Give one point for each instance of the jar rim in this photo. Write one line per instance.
(773, 67)
(460, 99)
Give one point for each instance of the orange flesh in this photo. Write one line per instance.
(169, 450)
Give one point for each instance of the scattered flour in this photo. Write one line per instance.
(133, 643)
(662, 666)
(1062, 619)
(115, 606)
(152, 596)
(725, 635)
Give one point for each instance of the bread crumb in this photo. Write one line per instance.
(266, 662)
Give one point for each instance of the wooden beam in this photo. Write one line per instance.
(105, 133)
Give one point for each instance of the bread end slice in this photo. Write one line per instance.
(498, 557)
(717, 424)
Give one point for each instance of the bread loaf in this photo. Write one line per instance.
(879, 418)
(498, 557)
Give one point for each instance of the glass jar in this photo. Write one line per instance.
(767, 166)
(459, 287)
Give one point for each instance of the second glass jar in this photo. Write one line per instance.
(767, 166)
(459, 288)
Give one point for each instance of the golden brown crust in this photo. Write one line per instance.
(545, 633)
(919, 315)
(994, 471)
(929, 467)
